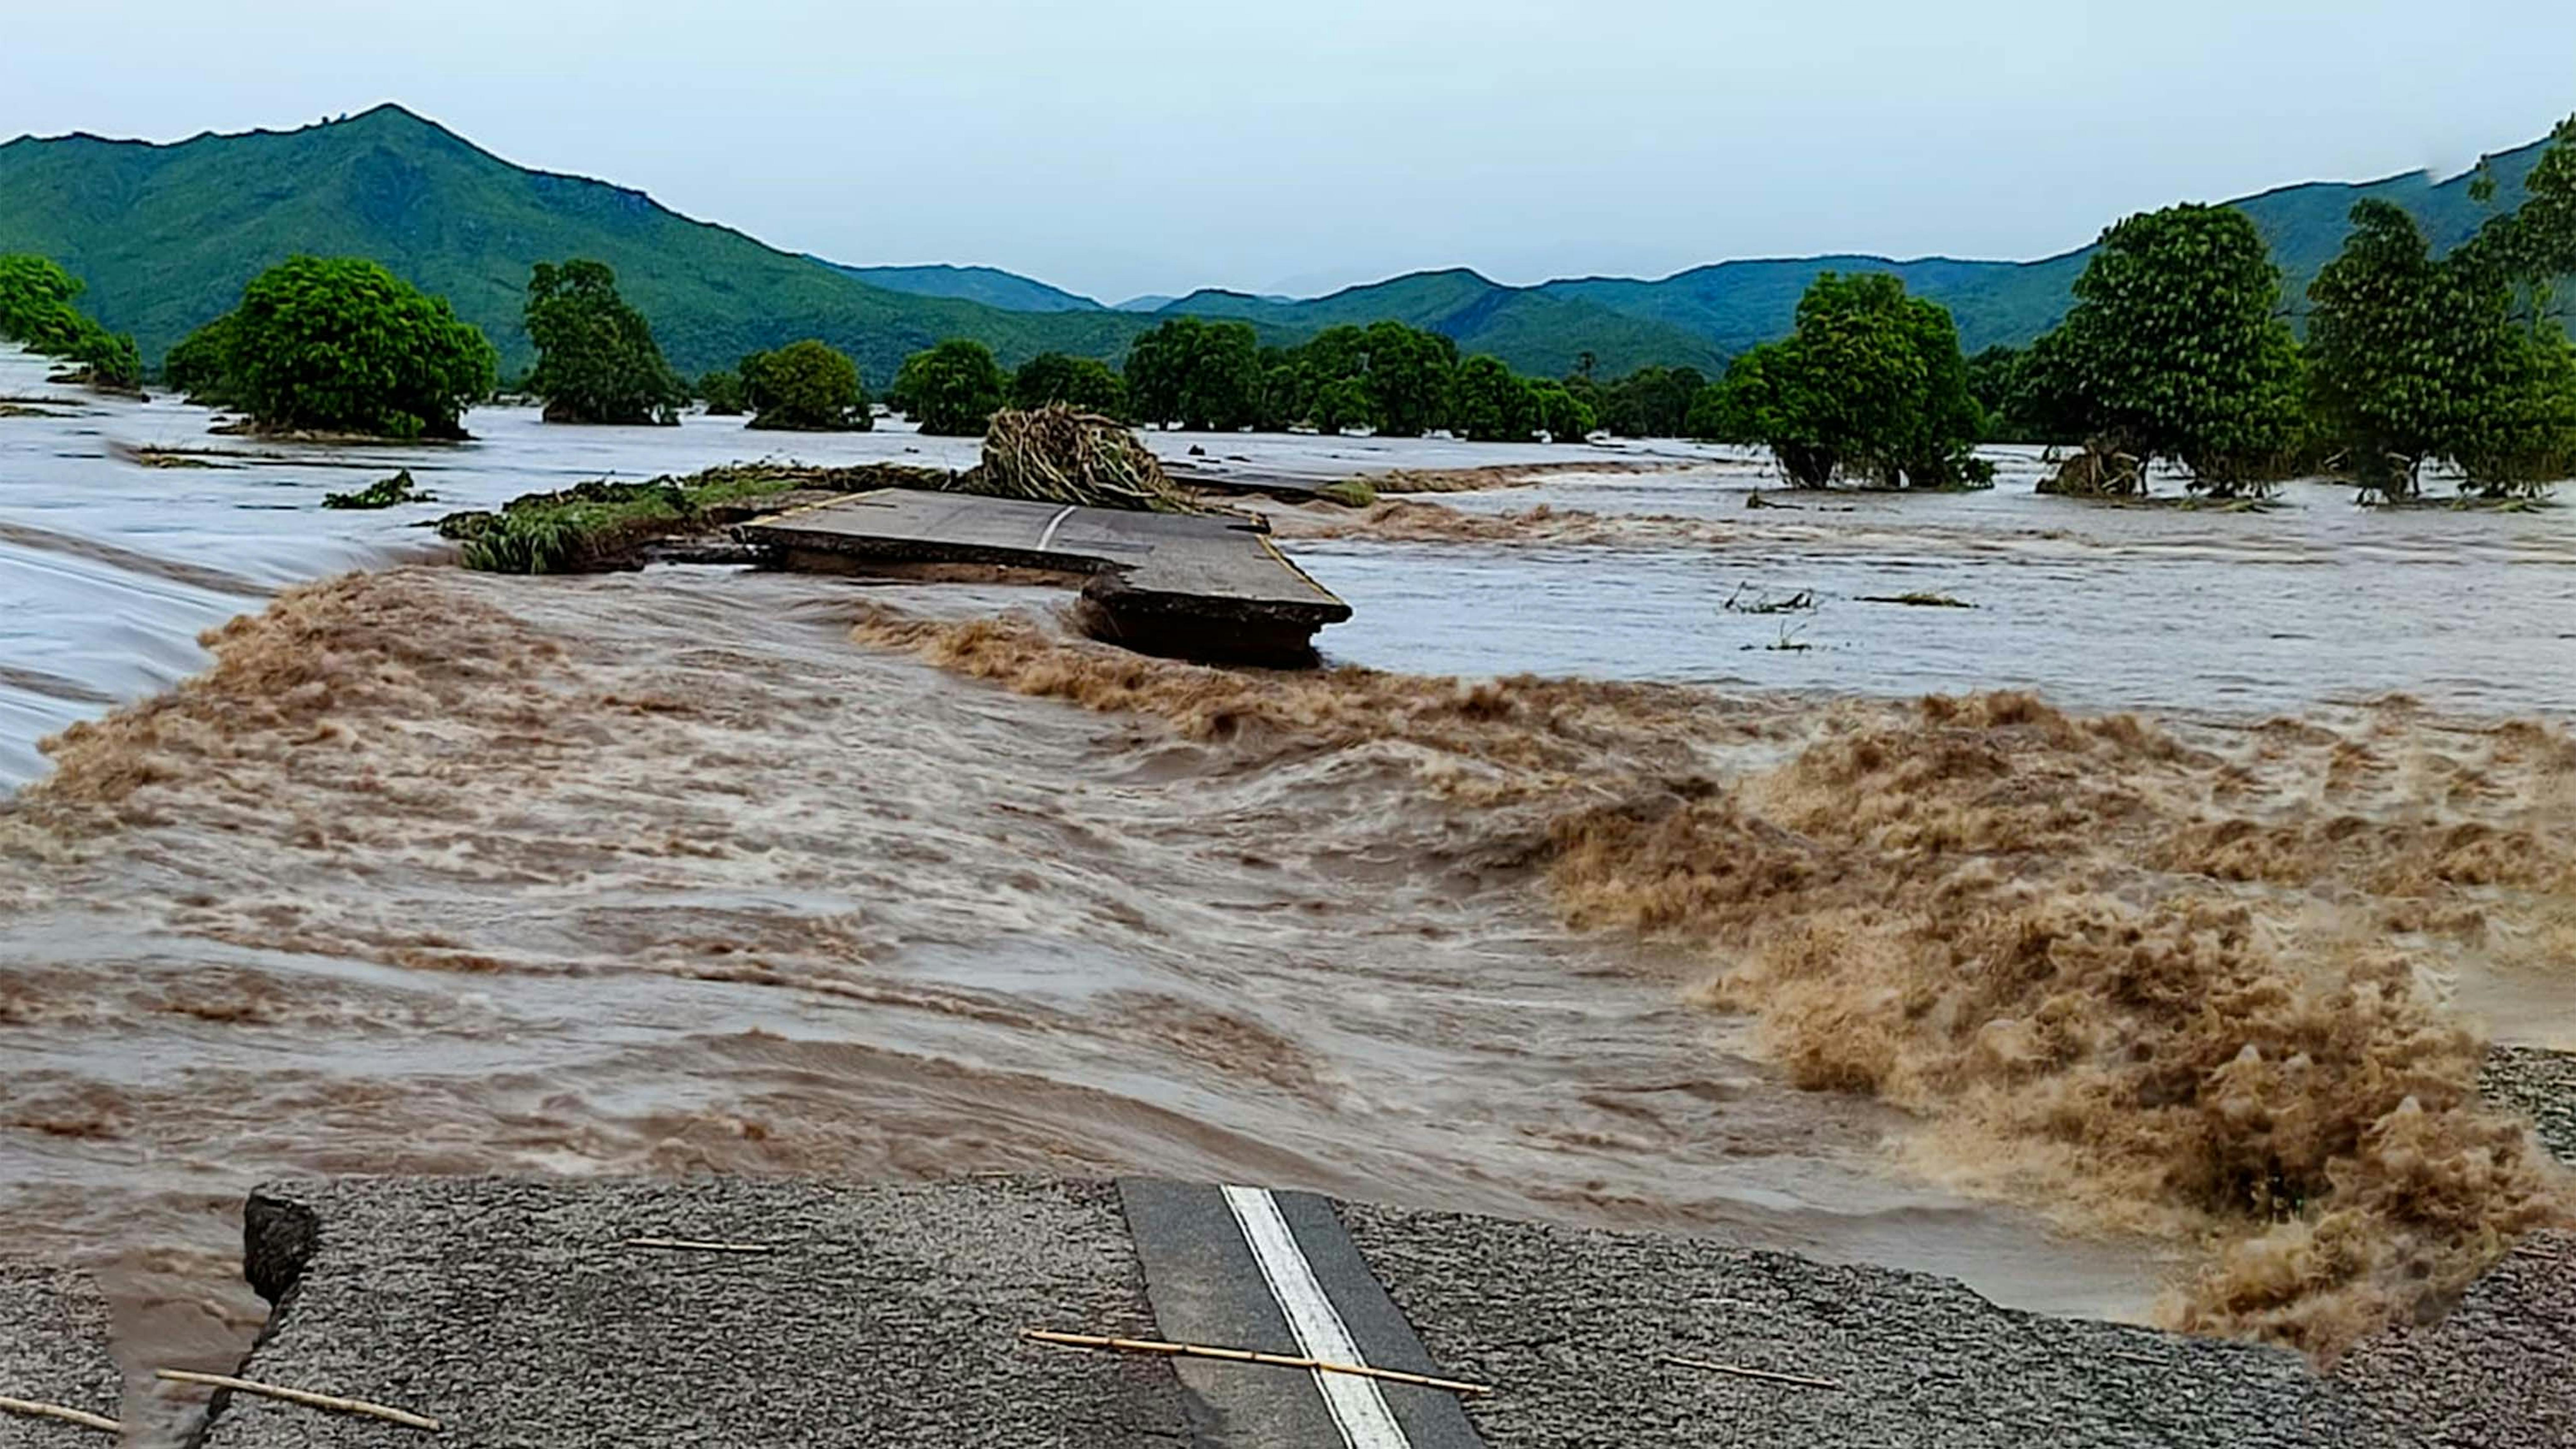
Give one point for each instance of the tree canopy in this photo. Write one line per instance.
(37, 312)
(342, 345)
(805, 387)
(1488, 403)
(1204, 376)
(198, 366)
(1652, 402)
(596, 358)
(2414, 358)
(721, 391)
(2176, 349)
(952, 389)
(1564, 417)
(1871, 384)
(1085, 383)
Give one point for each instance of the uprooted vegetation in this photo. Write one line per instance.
(2136, 982)
(1056, 454)
(605, 525)
(383, 493)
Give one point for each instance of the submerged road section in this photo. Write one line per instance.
(1197, 586)
(739, 1312)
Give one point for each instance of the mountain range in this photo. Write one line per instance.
(166, 235)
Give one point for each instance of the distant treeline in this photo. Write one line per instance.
(2177, 352)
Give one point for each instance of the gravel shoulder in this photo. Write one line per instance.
(1577, 1328)
(2542, 1083)
(527, 1312)
(54, 1350)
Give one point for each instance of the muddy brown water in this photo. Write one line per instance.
(666, 873)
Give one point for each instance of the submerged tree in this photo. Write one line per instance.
(952, 389)
(1203, 376)
(342, 345)
(1870, 384)
(37, 311)
(1564, 417)
(596, 358)
(1488, 403)
(721, 391)
(200, 366)
(1652, 402)
(1408, 378)
(2175, 349)
(805, 387)
(1086, 383)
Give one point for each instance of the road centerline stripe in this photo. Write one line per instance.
(1358, 1407)
(1046, 540)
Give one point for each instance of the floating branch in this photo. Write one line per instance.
(1740, 1372)
(82, 1417)
(310, 1400)
(1245, 1355)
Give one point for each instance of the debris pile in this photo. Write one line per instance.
(1057, 455)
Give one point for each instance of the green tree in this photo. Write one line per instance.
(1488, 403)
(37, 312)
(806, 387)
(1769, 398)
(1652, 402)
(1871, 383)
(1287, 392)
(721, 391)
(1409, 379)
(2175, 349)
(1203, 376)
(596, 358)
(1340, 405)
(1564, 417)
(952, 389)
(200, 367)
(342, 345)
(1086, 383)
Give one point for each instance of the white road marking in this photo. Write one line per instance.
(1356, 1404)
(1047, 538)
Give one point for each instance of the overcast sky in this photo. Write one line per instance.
(1158, 145)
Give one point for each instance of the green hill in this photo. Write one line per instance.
(1534, 330)
(989, 285)
(167, 235)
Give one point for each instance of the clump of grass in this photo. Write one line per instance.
(1916, 600)
(596, 525)
(565, 532)
(383, 493)
(1350, 493)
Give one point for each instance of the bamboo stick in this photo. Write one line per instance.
(695, 1245)
(1246, 1355)
(305, 1397)
(85, 1419)
(1741, 1372)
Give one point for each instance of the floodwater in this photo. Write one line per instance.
(700, 869)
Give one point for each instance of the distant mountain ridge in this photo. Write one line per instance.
(989, 285)
(167, 234)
